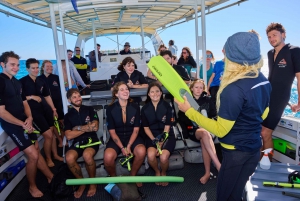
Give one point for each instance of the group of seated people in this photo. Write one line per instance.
(132, 131)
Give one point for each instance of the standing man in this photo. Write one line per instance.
(15, 118)
(284, 65)
(126, 49)
(173, 48)
(80, 64)
(81, 124)
(92, 57)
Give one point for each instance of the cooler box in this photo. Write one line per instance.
(15, 169)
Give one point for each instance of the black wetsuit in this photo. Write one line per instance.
(136, 78)
(42, 113)
(281, 76)
(156, 120)
(187, 126)
(82, 117)
(122, 52)
(53, 84)
(12, 97)
(123, 130)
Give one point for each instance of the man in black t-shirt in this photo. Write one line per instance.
(81, 123)
(284, 65)
(167, 55)
(16, 118)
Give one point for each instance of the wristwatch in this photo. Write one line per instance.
(78, 128)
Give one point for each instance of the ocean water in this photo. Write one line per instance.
(293, 99)
(23, 72)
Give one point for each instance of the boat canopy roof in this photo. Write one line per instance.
(110, 16)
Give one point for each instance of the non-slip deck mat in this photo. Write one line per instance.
(191, 189)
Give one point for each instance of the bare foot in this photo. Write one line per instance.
(50, 163)
(35, 192)
(92, 190)
(139, 184)
(157, 174)
(58, 158)
(50, 179)
(164, 183)
(79, 192)
(205, 178)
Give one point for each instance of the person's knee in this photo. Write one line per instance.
(151, 154)
(140, 151)
(109, 157)
(202, 133)
(164, 158)
(48, 135)
(88, 157)
(70, 158)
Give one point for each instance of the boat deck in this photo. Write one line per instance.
(191, 189)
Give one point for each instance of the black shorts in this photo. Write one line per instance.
(80, 150)
(17, 134)
(42, 119)
(277, 106)
(113, 145)
(168, 145)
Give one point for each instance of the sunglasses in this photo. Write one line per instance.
(77, 50)
(184, 52)
(209, 56)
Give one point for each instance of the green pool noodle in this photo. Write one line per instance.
(124, 179)
(279, 184)
(166, 74)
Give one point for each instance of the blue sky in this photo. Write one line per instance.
(30, 40)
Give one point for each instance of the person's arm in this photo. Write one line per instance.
(135, 130)
(27, 111)
(150, 75)
(76, 75)
(229, 111)
(192, 62)
(296, 107)
(50, 103)
(209, 82)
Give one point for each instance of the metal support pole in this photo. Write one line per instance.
(95, 44)
(118, 41)
(197, 40)
(65, 48)
(55, 38)
(203, 29)
(142, 32)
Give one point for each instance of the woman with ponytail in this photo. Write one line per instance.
(123, 123)
(242, 104)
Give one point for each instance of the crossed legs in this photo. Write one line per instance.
(208, 152)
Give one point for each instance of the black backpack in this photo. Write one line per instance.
(58, 186)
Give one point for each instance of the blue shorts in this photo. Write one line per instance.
(74, 86)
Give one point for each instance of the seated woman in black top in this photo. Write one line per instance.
(52, 82)
(132, 77)
(123, 123)
(195, 133)
(157, 118)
